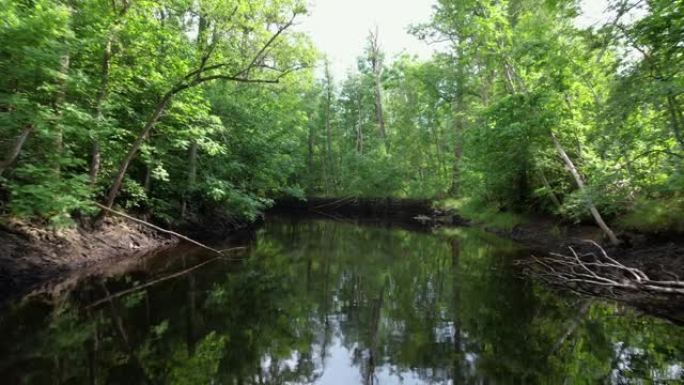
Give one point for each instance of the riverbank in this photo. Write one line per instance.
(554, 244)
(660, 256)
(31, 255)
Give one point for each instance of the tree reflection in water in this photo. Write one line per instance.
(331, 303)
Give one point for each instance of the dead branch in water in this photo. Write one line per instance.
(599, 270)
(140, 221)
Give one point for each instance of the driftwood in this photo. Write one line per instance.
(600, 270)
(169, 232)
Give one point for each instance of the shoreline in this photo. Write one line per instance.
(31, 256)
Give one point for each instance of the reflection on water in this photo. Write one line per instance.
(320, 302)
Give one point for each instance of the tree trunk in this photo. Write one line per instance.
(95, 161)
(16, 149)
(133, 151)
(147, 182)
(675, 121)
(359, 127)
(328, 128)
(95, 158)
(192, 176)
(310, 149)
(552, 194)
(375, 57)
(60, 98)
(580, 185)
(379, 113)
(459, 124)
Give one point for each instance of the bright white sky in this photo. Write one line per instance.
(339, 28)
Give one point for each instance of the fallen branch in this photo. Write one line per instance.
(140, 221)
(599, 270)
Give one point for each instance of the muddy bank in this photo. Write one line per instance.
(31, 255)
(659, 256)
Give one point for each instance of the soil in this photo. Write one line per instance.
(31, 255)
(659, 256)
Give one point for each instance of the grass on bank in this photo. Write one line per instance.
(481, 214)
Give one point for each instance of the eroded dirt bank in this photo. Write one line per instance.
(31, 255)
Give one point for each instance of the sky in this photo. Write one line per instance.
(339, 28)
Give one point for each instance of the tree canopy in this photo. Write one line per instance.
(170, 107)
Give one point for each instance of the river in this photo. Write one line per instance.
(334, 303)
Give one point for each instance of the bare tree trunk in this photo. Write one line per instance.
(375, 57)
(580, 185)
(511, 78)
(16, 149)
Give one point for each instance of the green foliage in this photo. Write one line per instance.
(91, 73)
(656, 215)
(38, 192)
(201, 367)
(482, 213)
(474, 121)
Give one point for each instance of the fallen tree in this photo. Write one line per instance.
(594, 269)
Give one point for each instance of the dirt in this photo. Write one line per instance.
(31, 255)
(659, 256)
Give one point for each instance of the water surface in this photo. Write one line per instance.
(326, 302)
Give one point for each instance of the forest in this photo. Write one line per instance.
(170, 108)
(173, 175)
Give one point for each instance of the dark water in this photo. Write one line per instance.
(321, 302)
